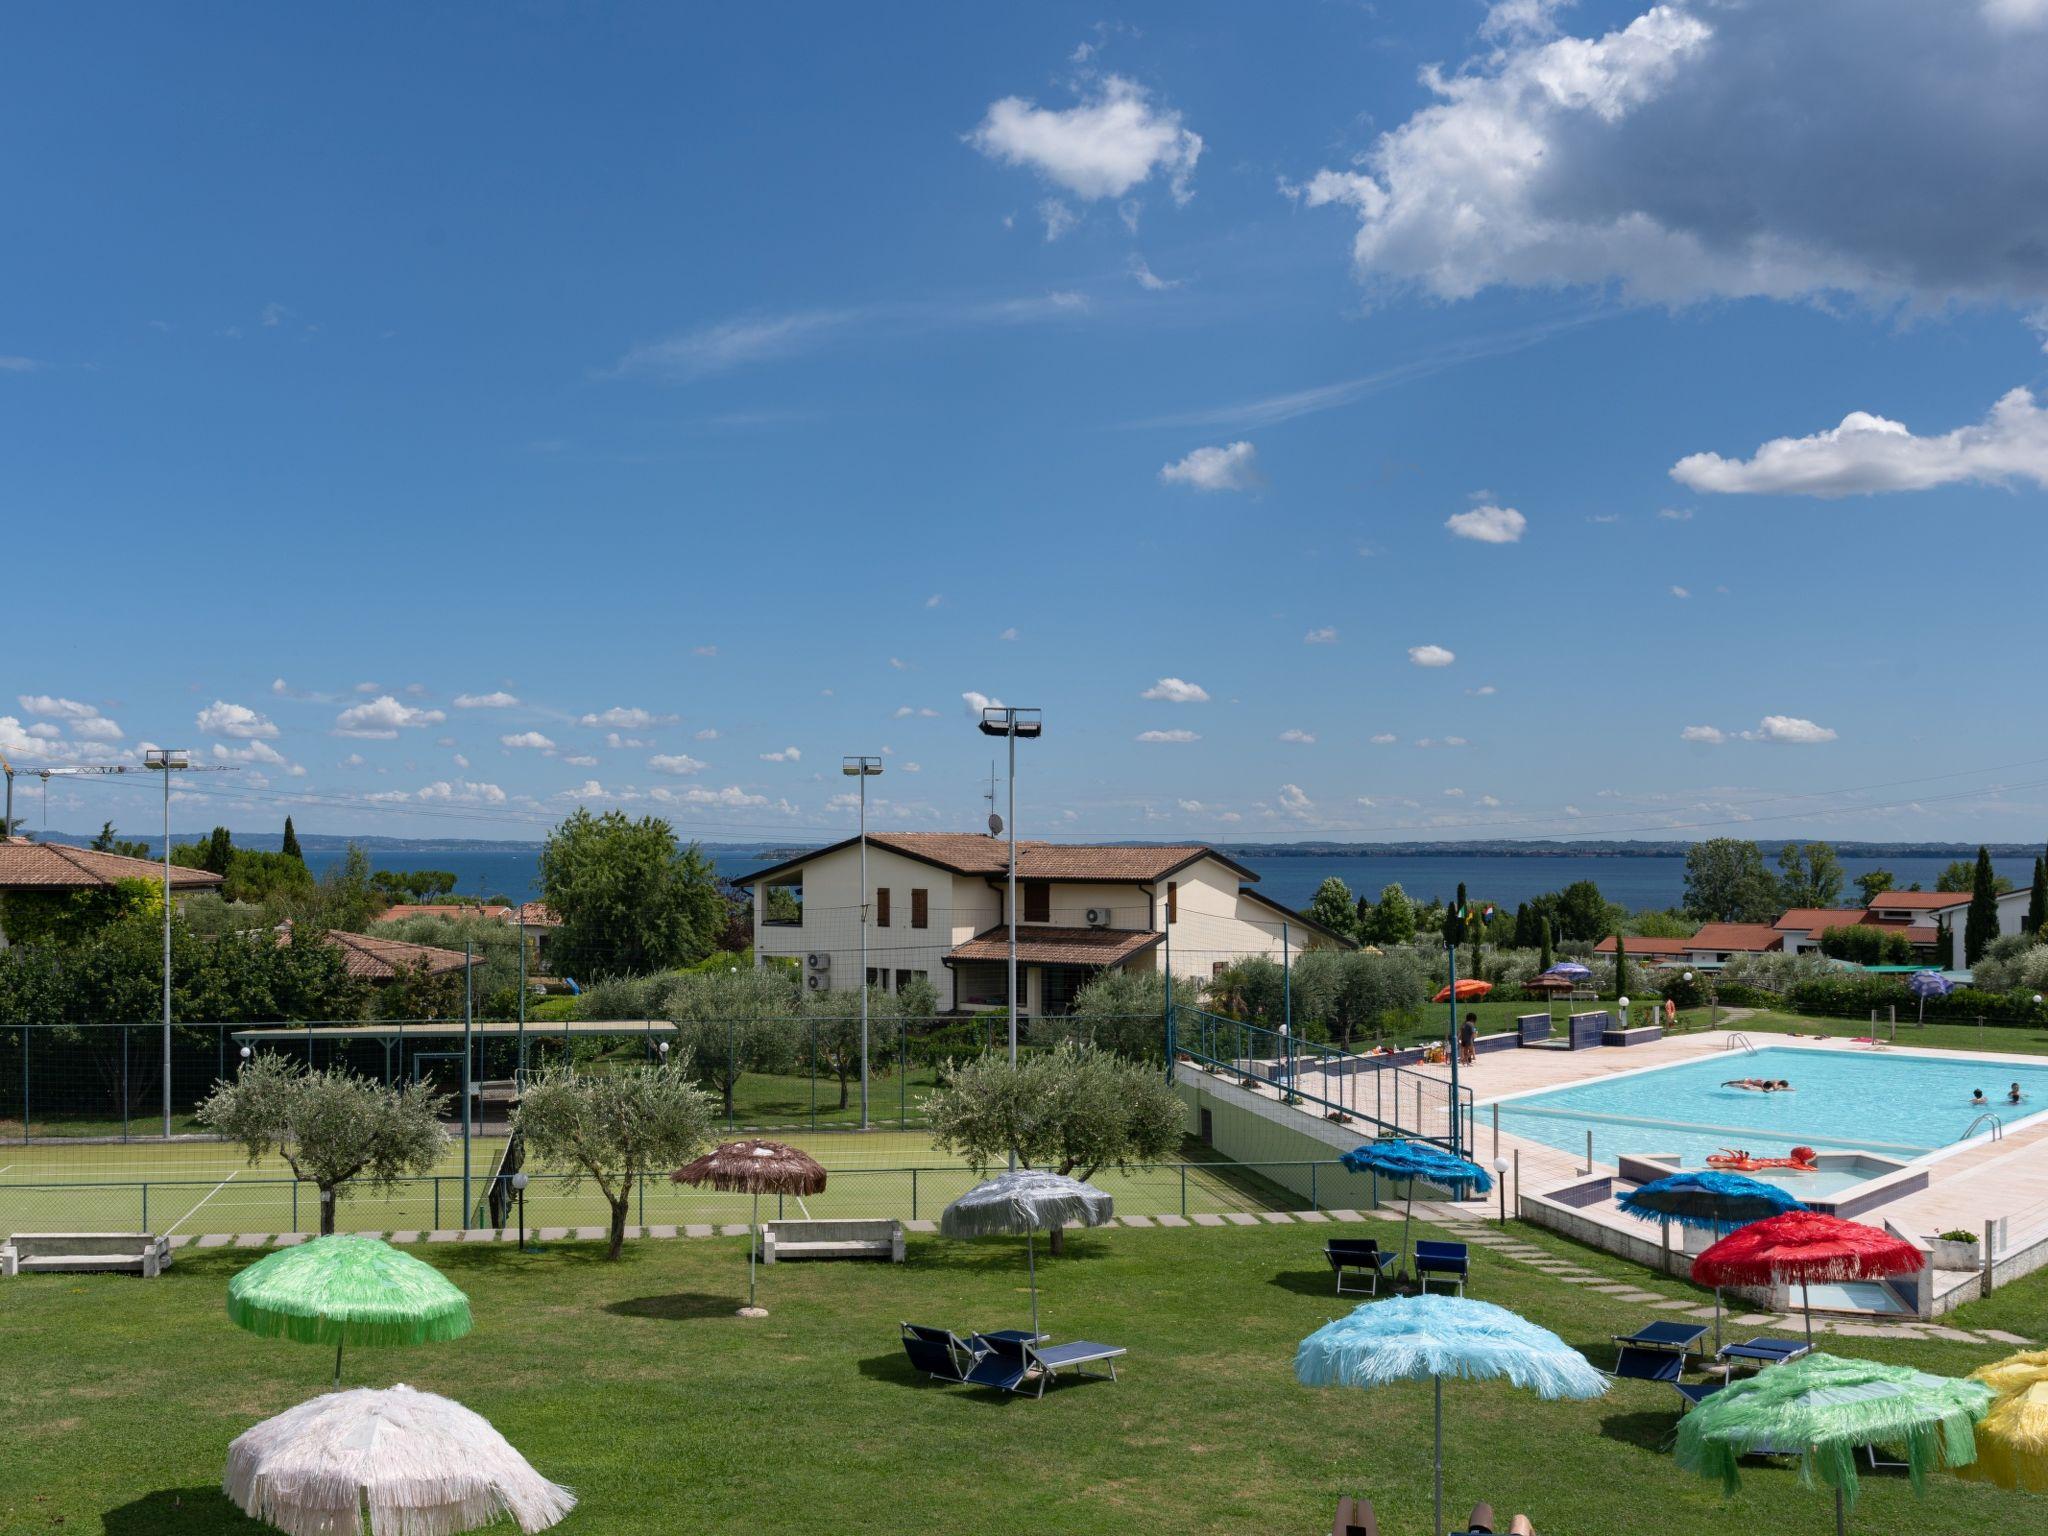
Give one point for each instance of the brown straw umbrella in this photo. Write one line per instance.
(755, 1168)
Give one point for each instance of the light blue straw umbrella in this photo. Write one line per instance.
(1410, 1338)
(1416, 1162)
(1712, 1201)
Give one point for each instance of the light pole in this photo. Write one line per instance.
(863, 768)
(167, 761)
(1500, 1177)
(519, 1189)
(1005, 720)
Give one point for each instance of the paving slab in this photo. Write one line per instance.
(216, 1240)
(661, 1231)
(1612, 1289)
(1345, 1216)
(1208, 1219)
(1135, 1221)
(1276, 1218)
(920, 1225)
(2003, 1337)
(1311, 1217)
(480, 1234)
(289, 1239)
(1673, 1306)
(1751, 1319)
(403, 1237)
(554, 1234)
(1864, 1331)
(697, 1229)
(1943, 1331)
(449, 1236)
(591, 1234)
(252, 1239)
(1173, 1221)
(1241, 1218)
(1703, 1314)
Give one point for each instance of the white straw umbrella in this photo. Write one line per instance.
(414, 1463)
(1026, 1200)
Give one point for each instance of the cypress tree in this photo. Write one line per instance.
(291, 842)
(2037, 900)
(1546, 960)
(220, 852)
(1620, 966)
(1981, 926)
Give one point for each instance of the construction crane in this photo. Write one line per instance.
(164, 760)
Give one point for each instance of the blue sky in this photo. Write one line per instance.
(781, 380)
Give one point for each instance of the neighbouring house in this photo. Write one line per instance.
(371, 958)
(1802, 927)
(454, 911)
(1716, 943)
(935, 907)
(1930, 911)
(30, 868)
(1653, 951)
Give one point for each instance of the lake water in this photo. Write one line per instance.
(1292, 880)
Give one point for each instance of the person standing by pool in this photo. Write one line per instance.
(1670, 1013)
(1468, 1040)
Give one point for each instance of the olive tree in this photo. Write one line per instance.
(614, 1128)
(334, 1128)
(732, 1022)
(1069, 1109)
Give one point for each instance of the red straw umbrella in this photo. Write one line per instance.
(1804, 1246)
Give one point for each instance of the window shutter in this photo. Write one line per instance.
(920, 907)
(882, 907)
(1173, 901)
(1037, 901)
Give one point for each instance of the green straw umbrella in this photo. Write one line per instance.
(347, 1290)
(1823, 1409)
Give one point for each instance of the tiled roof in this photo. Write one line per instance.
(1921, 901)
(1037, 945)
(375, 959)
(535, 914)
(1641, 948)
(1751, 938)
(969, 853)
(1812, 920)
(58, 867)
(458, 910)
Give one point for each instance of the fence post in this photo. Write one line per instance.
(295, 1206)
(732, 1078)
(640, 1189)
(1312, 1205)
(1183, 1189)
(1990, 1258)
(437, 1202)
(913, 1194)
(124, 1085)
(1496, 1130)
(145, 1205)
(814, 1073)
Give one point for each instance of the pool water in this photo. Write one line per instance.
(1898, 1105)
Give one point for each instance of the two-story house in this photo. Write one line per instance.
(935, 907)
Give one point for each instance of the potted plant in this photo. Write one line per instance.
(1956, 1250)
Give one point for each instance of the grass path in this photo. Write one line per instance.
(635, 1384)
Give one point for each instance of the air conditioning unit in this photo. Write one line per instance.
(818, 960)
(1098, 917)
(816, 981)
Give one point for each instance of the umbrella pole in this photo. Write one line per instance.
(1437, 1382)
(1031, 1267)
(1841, 1528)
(1717, 1319)
(753, 1242)
(339, 1344)
(1806, 1303)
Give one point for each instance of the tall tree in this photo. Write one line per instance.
(1873, 883)
(2037, 900)
(334, 1129)
(291, 843)
(1981, 926)
(104, 843)
(1812, 874)
(1455, 920)
(1726, 882)
(1545, 960)
(1621, 976)
(1394, 917)
(1582, 912)
(630, 898)
(1332, 908)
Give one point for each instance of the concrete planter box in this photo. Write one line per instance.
(1952, 1255)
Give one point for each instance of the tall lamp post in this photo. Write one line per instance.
(1004, 720)
(167, 761)
(863, 768)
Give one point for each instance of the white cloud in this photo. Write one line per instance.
(1868, 454)
(462, 792)
(367, 687)
(463, 762)
(382, 718)
(1294, 802)
(709, 733)
(732, 797)
(977, 702)
(1793, 730)
(1431, 656)
(1446, 741)
(1008, 634)
(44, 731)
(934, 600)
(1710, 735)
(703, 650)
(14, 362)
(531, 741)
(99, 728)
(356, 760)
(221, 718)
(1324, 635)
(1385, 739)
(1114, 139)
(1304, 738)
(581, 760)
(252, 752)
(898, 664)
(1173, 690)
(1680, 592)
(620, 743)
(1454, 794)
(1488, 525)
(1675, 514)
(1490, 801)
(498, 700)
(913, 767)
(1483, 691)
(1167, 736)
(1603, 517)
(1234, 467)
(62, 709)
(1707, 151)
(680, 763)
(626, 718)
(786, 755)
(1058, 217)
(1146, 278)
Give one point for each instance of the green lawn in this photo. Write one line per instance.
(2026, 1040)
(635, 1384)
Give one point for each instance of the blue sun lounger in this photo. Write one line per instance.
(1683, 1338)
(943, 1355)
(1634, 1363)
(1765, 1351)
(1359, 1253)
(1447, 1262)
(1696, 1392)
(1014, 1364)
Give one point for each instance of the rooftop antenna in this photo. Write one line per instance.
(995, 822)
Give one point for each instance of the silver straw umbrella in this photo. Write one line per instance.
(415, 1463)
(1026, 1200)
(755, 1168)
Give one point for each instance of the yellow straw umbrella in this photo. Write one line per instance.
(2012, 1442)
(2015, 1373)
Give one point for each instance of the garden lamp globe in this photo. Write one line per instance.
(1500, 1167)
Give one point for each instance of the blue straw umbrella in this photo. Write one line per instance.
(1410, 1338)
(1416, 1162)
(1570, 970)
(1712, 1202)
(1926, 984)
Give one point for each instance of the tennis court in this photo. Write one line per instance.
(197, 1187)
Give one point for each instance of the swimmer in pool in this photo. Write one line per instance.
(1977, 1099)
(2013, 1094)
(1758, 1084)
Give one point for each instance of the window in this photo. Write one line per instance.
(1173, 901)
(1217, 968)
(882, 907)
(920, 907)
(878, 977)
(903, 980)
(1037, 901)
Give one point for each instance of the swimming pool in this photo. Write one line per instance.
(1902, 1106)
